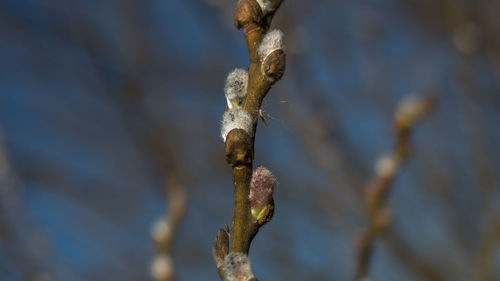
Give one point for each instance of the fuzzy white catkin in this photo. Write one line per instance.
(272, 41)
(266, 6)
(161, 267)
(235, 118)
(161, 230)
(236, 267)
(386, 166)
(236, 86)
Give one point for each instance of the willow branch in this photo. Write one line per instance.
(245, 92)
(250, 18)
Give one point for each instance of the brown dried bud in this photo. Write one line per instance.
(221, 247)
(273, 66)
(248, 14)
(239, 148)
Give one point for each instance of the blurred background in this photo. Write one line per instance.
(104, 104)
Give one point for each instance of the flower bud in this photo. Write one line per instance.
(235, 88)
(236, 118)
(261, 194)
(272, 55)
(237, 267)
(272, 41)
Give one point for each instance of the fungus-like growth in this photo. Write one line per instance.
(236, 87)
(237, 267)
(236, 118)
(261, 194)
(272, 41)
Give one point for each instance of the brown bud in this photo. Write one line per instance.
(239, 148)
(274, 65)
(221, 247)
(248, 14)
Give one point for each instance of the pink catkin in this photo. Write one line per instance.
(261, 187)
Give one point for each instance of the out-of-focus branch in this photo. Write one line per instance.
(418, 266)
(33, 263)
(163, 231)
(488, 248)
(409, 112)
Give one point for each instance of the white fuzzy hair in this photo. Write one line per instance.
(235, 118)
(272, 41)
(266, 6)
(237, 267)
(236, 86)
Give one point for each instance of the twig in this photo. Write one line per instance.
(407, 115)
(244, 95)
(163, 232)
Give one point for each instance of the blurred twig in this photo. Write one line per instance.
(488, 248)
(32, 260)
(163, 231)
(408, 113)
